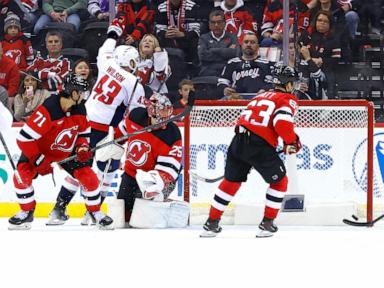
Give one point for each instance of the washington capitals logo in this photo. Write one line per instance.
(65, 140)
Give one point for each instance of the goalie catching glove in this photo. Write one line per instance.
(293, 147)
(113, 151)
(154, 185)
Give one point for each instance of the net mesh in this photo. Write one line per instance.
(331, 167)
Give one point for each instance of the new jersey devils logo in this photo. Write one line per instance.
(65, 140)
(15, 55)
(138, 152)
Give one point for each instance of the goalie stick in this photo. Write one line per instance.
(185, 112)
(362, 224)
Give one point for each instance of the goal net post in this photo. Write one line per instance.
(338, 171)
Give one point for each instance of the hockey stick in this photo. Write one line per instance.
(10, 159)
(206, 180)
(362, 224)
(185, 112)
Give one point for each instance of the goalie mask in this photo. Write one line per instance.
(159, 107)
(126, 57)
(74, 82)
(282, 75)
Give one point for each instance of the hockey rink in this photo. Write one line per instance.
(75, 256)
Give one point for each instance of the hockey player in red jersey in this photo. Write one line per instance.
(268, 116)
(153, 159)
(57, 129)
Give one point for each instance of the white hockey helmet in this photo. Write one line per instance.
(127, 57)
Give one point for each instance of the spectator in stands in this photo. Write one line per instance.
(371, 12)
(344, 18)
(312, 84)
(179, 99)
(9, 79)
(272, 27)
(153, 67)
(139, 17)
(324, 47)
(177, 26)
(27, 10)
(238, 19)
(83, 68)
(246, 74)
(52, 69)
(61, 11)
(30, 95)
(217, 46)
(99, 9)
(15, 44)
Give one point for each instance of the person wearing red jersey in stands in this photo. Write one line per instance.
(15, 44)
(268, 116)
(139, 16)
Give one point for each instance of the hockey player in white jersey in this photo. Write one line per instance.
(116, 92)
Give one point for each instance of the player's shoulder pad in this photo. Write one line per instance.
(139, 116)
(52, 105)
(79, 109)
(170, 135)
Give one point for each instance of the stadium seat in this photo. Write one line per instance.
(178, 67)
(93, 36)
(70, 37)
(74, 54)
(206, 87)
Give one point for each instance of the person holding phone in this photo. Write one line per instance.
(30, 95)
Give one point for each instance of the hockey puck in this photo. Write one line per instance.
(355, 217)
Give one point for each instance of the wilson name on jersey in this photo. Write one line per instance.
(271, 115)
(159, 149)
(52, 132)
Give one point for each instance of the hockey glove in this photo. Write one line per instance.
(42, 164)
(117, 27)
(83, 153)
(151, 184)
(293, 147)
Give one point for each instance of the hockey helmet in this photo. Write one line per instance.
(159, 107)
(127, 57)
(74, 82)
(282, 74)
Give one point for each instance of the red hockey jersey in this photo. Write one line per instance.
(160, 149)
(271, 115)
(52, 132)
(19, 49)
(61, 66)
(273, 16)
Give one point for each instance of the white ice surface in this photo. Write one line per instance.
(75, 256)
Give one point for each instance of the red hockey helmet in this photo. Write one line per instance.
(159, 107)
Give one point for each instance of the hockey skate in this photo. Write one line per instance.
(211, 228)
(88, 219)
(58, 215)
(21, 221)
(266, 228)
(104, 222)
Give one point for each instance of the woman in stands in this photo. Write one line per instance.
(30, 95)
(324, 47)
(83, 68)
(153, 67)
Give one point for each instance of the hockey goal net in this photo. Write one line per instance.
(337, 170)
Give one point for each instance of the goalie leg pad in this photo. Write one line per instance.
(151, 214)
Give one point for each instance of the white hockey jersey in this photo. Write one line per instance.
(116, 91)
